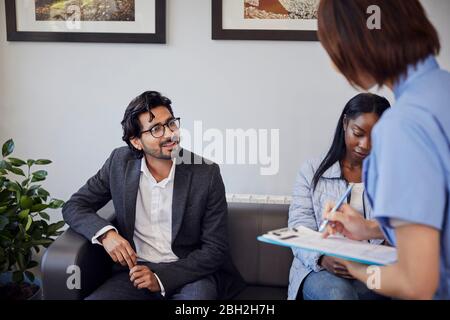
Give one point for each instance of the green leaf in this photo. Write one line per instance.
(43, 162)
(3, 222)
(21, 234)
(37, 231)
(44, 225)
(8, 148)
(39, 207)
(25, 182)
(29, 275)
(12, 210)
(21, 260)
(5, 165)
(16, 162)
(55, 204)
(43, 193)
(3, 172)
(55, 227)
(5, 195)
(33, 190)
(26, 202)
(5, 241)
(13, 186)
(44, 215)
(40, 174)
(24, 214)
(41, 242)
(29, 222)
(17, 171)
(30, 162)
(17, 276)
(37, 179)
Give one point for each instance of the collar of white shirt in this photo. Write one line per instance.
(163, 183)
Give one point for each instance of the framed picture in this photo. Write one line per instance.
(265, 20)
(127, 21)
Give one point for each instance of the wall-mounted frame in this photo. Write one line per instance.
(120, 21)
(294, 20)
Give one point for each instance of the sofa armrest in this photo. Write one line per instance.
(72, 249)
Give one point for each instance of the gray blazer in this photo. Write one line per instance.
(199, 218)
(306, 210)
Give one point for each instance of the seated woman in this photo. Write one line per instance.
(314, 276)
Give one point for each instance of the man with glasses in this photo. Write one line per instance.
(169, 238)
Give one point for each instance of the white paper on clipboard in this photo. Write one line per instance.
(337, 246)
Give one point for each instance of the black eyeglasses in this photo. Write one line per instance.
(158, 130)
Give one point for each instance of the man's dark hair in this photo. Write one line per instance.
(143, 103)
(406, 38)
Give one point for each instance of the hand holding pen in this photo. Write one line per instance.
(350, 223)
(325, 222)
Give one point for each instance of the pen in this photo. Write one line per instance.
(336, 207)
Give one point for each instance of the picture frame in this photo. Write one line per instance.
(271, 29)
(142, 26)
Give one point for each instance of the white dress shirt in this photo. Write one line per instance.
(153, 225)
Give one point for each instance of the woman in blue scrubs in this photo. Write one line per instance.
(407, 176)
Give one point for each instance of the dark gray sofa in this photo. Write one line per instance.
(264, 267)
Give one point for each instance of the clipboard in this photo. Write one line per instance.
(335, 246)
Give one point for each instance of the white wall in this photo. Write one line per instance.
(65, 101)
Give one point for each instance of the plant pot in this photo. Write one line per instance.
(22, 289)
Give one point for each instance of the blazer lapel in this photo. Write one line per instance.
(132, 177)
(181, 186)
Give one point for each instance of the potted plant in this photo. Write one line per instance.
(24, 224)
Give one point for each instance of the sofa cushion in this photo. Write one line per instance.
(259, 263)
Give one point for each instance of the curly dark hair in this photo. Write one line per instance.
(141, 104)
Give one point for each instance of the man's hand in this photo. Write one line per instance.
(119, 249)
(335, 267)
(142, 277)
(350, 223)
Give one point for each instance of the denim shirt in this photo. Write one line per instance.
(306, 210)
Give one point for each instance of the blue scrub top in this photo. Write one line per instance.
(407, 175)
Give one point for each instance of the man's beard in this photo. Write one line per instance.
(159, 154)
